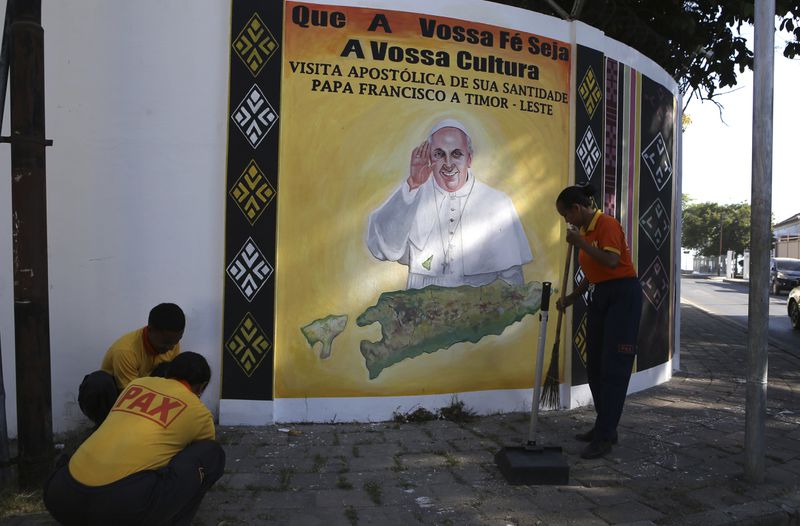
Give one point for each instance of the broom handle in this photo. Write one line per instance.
(563, 291)
(537, 384)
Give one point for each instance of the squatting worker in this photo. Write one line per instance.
(150, 462)
(448, 227)
(613, 312)
(142, 352)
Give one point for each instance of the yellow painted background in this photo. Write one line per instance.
(342, 155)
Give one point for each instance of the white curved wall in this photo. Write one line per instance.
(135, 103)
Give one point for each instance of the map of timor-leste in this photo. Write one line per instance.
(418, 321)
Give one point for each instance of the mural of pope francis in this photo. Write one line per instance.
(449, 228)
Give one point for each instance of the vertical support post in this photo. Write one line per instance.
(760, 240)
(719, 260)
(29, 223)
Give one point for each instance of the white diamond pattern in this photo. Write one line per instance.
(656, 223)
(655, 283)
(588, 153)
(579, 277)
(249, 270)
(255, 116)
(656, 158)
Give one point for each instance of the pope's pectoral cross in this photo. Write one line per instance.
(445, 264)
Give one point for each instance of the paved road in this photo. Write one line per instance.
(729, 301)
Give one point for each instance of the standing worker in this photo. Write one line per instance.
(614, 310)
(152, 459)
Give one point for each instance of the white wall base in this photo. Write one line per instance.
(382, 408)
(580, 395)
(245, 412)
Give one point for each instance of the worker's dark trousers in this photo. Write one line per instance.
(167, 496)
(613, 329)
(96, 395)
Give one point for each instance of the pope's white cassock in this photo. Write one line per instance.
(468, 237)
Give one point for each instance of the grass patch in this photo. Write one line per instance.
(345, 467)
(449, 459)
(398, 464)
(336, 438)
(13, 502)
(351, 515)
(418, 415)
(343, 483)
(319, 463)
(285, 478)
(457, 412)
(374, 491)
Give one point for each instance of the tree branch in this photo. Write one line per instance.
(577, 7)
(558, 9)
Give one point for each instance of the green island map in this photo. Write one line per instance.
(324, 331)
(427, 320)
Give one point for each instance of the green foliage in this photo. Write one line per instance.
(17, 502)
(418, 415)
(703, 223)
(374, 491)
(458, 412)
(697, 42)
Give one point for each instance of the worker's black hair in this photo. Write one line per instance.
(189, 367)
(166, 317)
(577, 195)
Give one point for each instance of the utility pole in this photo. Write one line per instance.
(760, 215)
(5, 452)
(29, 217)
(719, 260)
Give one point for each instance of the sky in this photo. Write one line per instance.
(717, 158)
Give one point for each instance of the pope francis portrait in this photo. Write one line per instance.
(448, 227)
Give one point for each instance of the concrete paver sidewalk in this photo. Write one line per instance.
(679, 460)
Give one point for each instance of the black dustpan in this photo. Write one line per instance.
(532, 463)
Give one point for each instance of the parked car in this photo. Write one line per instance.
(793, 307)
(784, 274)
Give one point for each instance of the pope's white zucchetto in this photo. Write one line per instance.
(448, 123)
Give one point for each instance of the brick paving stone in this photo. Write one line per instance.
(604, 496)
(573, 518)
(627, 512)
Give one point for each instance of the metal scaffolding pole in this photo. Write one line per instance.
(760, 240)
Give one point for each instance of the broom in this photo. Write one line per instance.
(550, 394)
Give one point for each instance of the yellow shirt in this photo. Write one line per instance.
(127, 358)
(152, 421)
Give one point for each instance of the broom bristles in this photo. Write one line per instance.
(550, 389)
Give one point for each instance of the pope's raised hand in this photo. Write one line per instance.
(420, 167)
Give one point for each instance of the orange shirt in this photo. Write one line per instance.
(605, 233)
